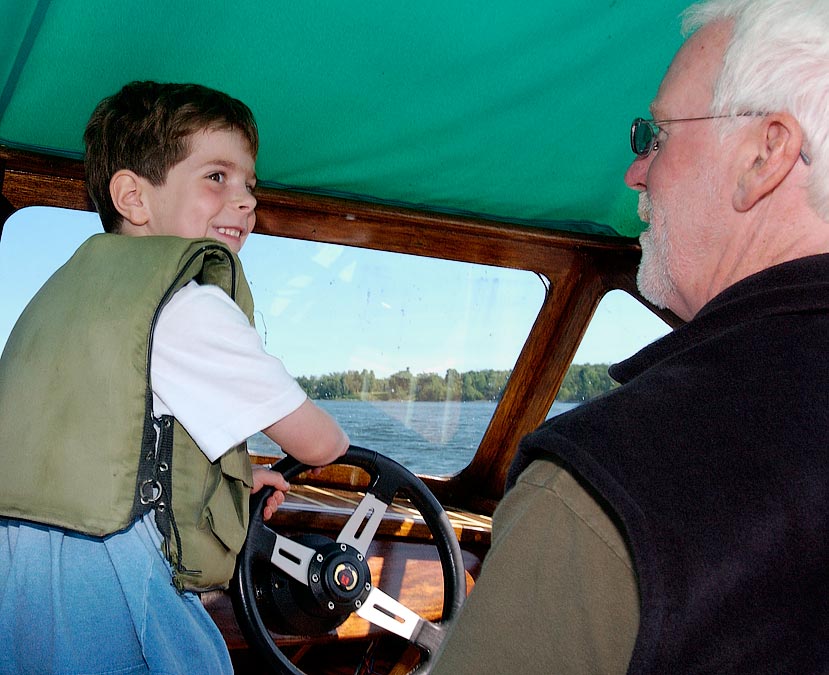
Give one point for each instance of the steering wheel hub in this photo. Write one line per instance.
(339, 578)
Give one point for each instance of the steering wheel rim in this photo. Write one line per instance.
(305, 562)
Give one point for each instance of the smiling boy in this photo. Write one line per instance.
(127, 390)
(207, 194)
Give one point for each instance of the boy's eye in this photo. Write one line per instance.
(219, 177)
(250, 187)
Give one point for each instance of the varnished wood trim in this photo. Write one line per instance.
(31, 179)
(43, 180)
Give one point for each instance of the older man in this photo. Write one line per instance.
(681, 523)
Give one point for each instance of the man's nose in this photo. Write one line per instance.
(637, 173)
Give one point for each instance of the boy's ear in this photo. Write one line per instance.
(774, 150)
(127, 190)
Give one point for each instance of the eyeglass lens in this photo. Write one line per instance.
(642, 135)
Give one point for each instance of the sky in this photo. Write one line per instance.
(326, 308)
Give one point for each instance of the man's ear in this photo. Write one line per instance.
(128, 195)
(774, 150)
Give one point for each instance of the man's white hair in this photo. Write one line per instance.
(777, 61)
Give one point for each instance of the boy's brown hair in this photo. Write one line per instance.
(146, 128)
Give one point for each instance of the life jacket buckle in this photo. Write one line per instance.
(150, 491)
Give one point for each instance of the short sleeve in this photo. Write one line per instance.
(211, 372)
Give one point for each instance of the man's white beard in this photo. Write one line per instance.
(654, 277)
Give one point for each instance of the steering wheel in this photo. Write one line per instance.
(310, 584)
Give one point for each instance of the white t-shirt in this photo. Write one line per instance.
(210, 371)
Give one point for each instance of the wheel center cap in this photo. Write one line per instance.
(346, 577)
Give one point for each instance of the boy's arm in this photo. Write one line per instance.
(310, 435)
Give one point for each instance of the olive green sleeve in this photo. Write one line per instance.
(557, 592)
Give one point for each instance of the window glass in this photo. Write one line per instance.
(620, 327)
(35, 242)
(408, 353)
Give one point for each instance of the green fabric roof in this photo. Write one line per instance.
(513, 110)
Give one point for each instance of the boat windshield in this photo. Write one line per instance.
(410, 354)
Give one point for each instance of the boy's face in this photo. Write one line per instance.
(209, 193)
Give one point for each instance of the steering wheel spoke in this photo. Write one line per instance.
(292, 557)
(383, 610)
(361, 527)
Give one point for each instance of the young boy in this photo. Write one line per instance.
(127, 390)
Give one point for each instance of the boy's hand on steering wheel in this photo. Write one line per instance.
(263, 476)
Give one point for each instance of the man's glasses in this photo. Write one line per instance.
(644, 134)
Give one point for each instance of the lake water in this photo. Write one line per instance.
(436, 438)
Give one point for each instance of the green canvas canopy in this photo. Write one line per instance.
(510, 110)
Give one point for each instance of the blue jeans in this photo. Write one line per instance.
(72, 604)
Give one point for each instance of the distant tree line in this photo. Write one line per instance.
(585, 381)
(582, 382)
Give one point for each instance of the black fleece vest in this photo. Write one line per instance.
(714, 455)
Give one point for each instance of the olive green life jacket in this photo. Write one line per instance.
(79, 446)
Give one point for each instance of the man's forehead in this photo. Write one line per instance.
(688, 85)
